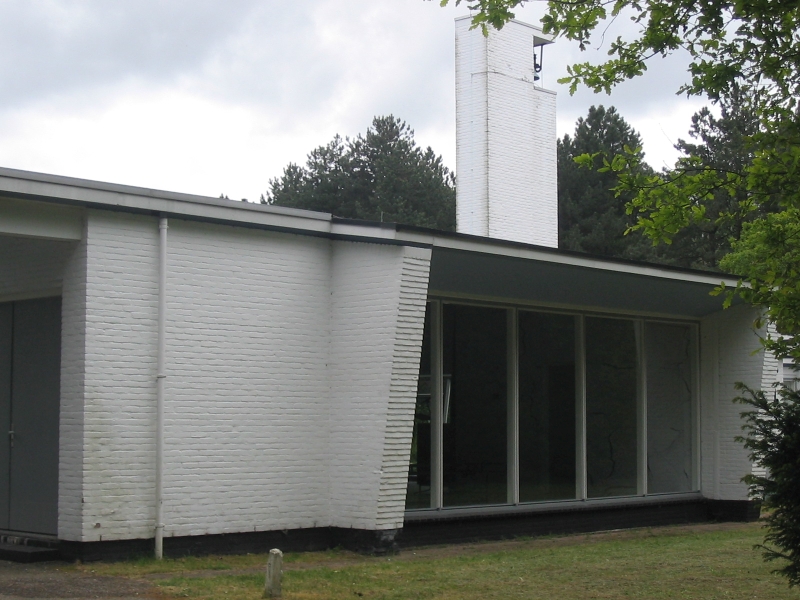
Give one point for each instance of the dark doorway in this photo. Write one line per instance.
(30, 370)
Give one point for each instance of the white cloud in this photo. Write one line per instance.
(205, 97)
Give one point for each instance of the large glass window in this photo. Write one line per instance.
(418, 494)
(555, 401)
(474, 405)
(546, 406)
(669, 407)
(611, 403)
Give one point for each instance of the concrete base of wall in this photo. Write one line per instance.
(733, 510)
(291, 540)
(574, 520)
(434, 531)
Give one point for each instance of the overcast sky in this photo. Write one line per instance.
(211, 97)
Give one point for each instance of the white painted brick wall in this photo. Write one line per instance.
(288, 367)
(505, 138)
(73, 368)
(772, 373)
(472, 209)
(376, 311)
(119, 380)
(727, 343)
(773, 369)
(247, 384)
(410, 320)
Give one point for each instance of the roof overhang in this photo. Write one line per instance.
(462, 266)
(554, 284)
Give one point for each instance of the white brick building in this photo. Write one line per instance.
(335, 382)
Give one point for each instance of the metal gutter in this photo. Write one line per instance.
(160, 377)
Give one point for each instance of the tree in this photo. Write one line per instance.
(591, 217)
(722, 145)
(380, 176)
(747, 47)
(772, 426)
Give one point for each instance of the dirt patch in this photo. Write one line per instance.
(51, 580)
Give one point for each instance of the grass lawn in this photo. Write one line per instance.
(701, 561)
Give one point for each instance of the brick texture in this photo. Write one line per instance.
(505, 138)
(119, 377)
(71, 421)
(727, 342)
(399, 427)
(289, 396)
(377, 316)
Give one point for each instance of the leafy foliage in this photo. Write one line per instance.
(592, 213)
(722, 145)
(489, 13)
(772, 426)
(700, 205)
(380, 176)
(768, 253)
(727, 40)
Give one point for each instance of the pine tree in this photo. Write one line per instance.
(591, 218)
(722, 144)
(380, 176)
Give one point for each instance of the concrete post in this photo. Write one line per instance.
(272, 585)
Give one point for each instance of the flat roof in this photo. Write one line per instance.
(467, 265)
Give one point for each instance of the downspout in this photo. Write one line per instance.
(162, 318)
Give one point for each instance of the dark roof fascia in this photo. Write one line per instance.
(557, 255)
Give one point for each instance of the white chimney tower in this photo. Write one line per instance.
(505, 136)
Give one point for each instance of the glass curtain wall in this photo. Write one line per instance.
(546, 350)
(611, 407)
(632, 379)
(669, 407)
(474, 405)
(418, 494)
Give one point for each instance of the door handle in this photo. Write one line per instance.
(11, 438)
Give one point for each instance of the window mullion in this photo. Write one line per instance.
(512, 411)
(580, 408)
(641, 412)
(437, 430)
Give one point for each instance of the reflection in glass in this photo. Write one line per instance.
(611, 443)
(669, 408)
(546, 406)
(418, 494)
(474, 357)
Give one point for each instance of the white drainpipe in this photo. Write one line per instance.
(162, 318)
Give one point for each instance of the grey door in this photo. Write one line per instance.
(31, 451)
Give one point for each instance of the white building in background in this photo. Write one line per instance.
(319, 381)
